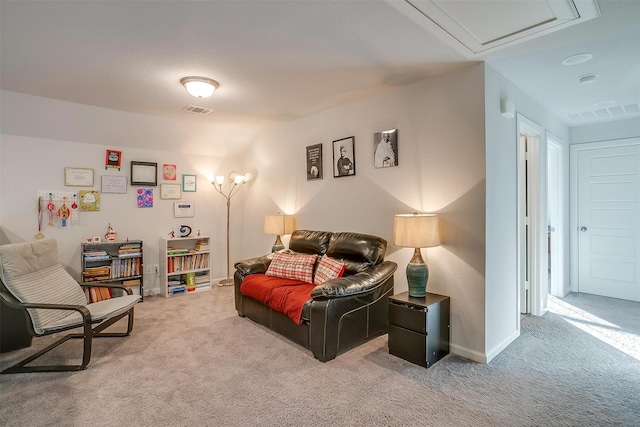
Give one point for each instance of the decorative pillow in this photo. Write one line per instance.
(292, 266)
(328, 268)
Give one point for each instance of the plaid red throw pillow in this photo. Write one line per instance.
(292, 266)
(328, 268)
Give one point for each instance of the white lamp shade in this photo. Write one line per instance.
(279, 224)
(416, 230)
(200, 87)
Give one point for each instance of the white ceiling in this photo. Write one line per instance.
(280, 60)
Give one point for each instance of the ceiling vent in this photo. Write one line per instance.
(477, 27)
(201, 111)
(605, 113)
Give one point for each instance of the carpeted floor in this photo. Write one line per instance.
(191, 361)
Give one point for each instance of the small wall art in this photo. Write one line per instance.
(170, 191)
(114, 184)
(344, 157)
(78, 177)
(89, 200)
(169, 172)
(385, 148)
(189, 183)
(314, 162)
(144, 173)
(145, 197)
(113, 159)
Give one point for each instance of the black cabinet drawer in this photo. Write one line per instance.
(408, 316)
(409, 345)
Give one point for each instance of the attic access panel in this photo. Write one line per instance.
(476, 26)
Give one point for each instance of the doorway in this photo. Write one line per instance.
(532, 219)
(605, 229)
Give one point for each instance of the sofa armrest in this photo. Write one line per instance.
(358, 283)
(253, 265)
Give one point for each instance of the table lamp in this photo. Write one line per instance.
(416, 231)
(279, 224)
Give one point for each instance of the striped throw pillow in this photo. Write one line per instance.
(328, 268)
(292, 266)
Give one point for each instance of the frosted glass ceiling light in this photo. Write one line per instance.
(200, 87)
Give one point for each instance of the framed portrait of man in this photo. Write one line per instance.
(385, 148)
(344, 157)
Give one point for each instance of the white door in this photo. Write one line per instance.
(609, 220)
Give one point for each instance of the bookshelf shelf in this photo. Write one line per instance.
(184, 265)
(112, 262)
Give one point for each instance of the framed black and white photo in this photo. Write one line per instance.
(385, 148)
(144, 173)
(344, 157)
(314, 162)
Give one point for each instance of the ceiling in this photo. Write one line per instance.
(281, 60)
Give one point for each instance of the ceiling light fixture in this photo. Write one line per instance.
(200, 87)
(580, 58)
(587, 79)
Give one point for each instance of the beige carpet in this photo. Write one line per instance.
(191, 361)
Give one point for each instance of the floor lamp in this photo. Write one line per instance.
(235, 181)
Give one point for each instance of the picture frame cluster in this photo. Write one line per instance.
(385, 155)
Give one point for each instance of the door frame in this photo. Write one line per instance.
(555, 200)
(574, 150)
(536, 188)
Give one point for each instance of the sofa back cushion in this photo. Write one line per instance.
(309, 242)
(357, 251)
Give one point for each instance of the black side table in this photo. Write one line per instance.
(419, 328)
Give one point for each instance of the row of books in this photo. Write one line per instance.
(96, 255)
(132, 249)
(189, 282)
(202, 245)
(95, 294)
(188, 262)
(118, 268)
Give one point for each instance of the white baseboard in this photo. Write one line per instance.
(467, 353)
(504, 344)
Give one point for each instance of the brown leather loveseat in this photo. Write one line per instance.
(341, 313)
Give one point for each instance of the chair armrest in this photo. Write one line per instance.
(13, 302)
(253, 265)
(355, 284)
(107, 285)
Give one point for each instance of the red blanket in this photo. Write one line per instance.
(284, 295)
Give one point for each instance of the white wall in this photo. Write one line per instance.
(606, 131)
(502, 319)
(31, 162)
(441, 169)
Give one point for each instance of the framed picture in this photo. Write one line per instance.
(170, 191)
(189, 183)
(89, 200)
(144, 198)
(78, 177)
(183, 209)
(385, 148)
(144, 173)
(114, 184)
(344, 157)
(169, 172)
(113, 159)
(314, 162)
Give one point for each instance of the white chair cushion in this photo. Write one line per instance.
(100, 310)
(18, 259)
(53, 285)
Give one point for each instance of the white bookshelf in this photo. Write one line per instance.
(181, 256)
